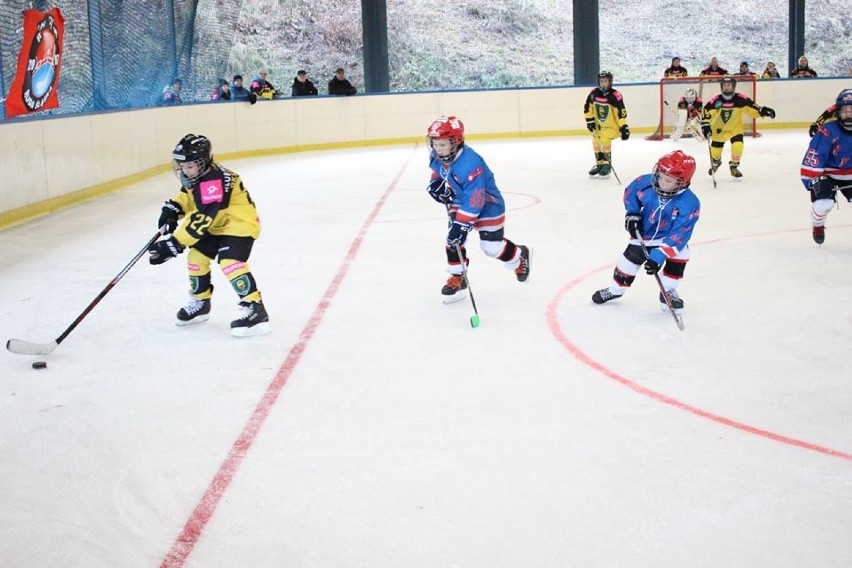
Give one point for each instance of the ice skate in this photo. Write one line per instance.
(253, 320)
(735, 170)
(522, 272)
(604, 295)
(714, 165)
(676, 301)
(595, 171)
(819, 235)
(196, 311)
(606, 169)
(455, 289)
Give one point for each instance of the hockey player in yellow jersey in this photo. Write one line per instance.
(606, 119)
(219, 222)
(723, 121)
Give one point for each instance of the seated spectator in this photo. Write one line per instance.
(240, 93)
(770, 72)
(802, 70)
(676, 70)
(222, 92)
(713, 69)
(744, 70)
(261, 87)
(171, 93)
(339, 85)
(302, 86)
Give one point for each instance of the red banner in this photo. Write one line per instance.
(36, 83)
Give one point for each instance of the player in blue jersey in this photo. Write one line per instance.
(661, 214)
(462, 181)
(827, 165)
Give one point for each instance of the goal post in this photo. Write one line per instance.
(707, 87)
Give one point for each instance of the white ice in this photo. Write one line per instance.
(375, 428)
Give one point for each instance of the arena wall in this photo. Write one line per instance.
(52, 163)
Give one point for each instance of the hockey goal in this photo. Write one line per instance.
(672, 89)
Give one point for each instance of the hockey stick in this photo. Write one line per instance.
(675, 315)
(600, 145)
(29, 348)
(474, 319)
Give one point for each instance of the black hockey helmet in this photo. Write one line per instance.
(605, 75)
(728, 80)
(192, 148)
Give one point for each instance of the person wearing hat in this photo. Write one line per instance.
(240, 93)
(222, 91)
(744, 70)
(340, 85)
(676, 70)
(302, 86)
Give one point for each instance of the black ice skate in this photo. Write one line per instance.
(676, 301)
(603, 296)
(606, 169)
(714, 165)
(196, 311)
(595, 171)
(735, 169)
(819, 235)
(253, 320)
(522, 272)
(454, 289)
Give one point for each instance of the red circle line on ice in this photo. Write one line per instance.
(582, 356)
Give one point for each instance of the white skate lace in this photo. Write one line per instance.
(246, 311)
(193, 306)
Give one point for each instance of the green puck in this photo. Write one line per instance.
(474, 320)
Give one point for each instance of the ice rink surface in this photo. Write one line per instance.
(375, 428)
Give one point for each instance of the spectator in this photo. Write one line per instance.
(171, 93)
(261, 87)
(240, 93)
(339, 85)
(713, 69)
(802, 70)
(770, 72)
(302, 86)
(222, 92)
(676, 70)
(744, 70)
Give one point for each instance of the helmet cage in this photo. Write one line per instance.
(446, 128)
(690, 95)
(677, 165)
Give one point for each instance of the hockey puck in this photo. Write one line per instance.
(40, 365)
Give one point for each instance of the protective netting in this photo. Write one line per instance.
(122, 53)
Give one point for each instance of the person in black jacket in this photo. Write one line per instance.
(339, 85)
(302, 86)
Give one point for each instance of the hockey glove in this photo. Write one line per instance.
(590, 124)
(633, 224)
(705, 130)
(655, 261)
(766, 111)
(823, 187)
(169, 216)
(441, 191)
(458, 233)
(163, 250)
(813, 129)
(252, 98)
(625, 132)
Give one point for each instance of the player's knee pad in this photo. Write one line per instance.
(239, 275)
(622, 278)
(634, 254)
(492, 248)
(674, 268)
(823, 206)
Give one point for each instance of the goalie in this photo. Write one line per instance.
(688, 116)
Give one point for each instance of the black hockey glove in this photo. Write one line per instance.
(441, 191)
(252, 98)
(823, 187)
(766, 111)
(169, 216)
(625, 132)
(633, 224)
(590, 124)
(813, 129)
(163, 250)
(651, 267)
(458, 233)
(706, 131)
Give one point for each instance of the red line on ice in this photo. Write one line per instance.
(186, 541)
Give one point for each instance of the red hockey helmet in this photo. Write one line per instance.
(449, 128)
(677, 165)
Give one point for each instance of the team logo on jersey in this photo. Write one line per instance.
(726, 114)
(675, 213)
(602, 112)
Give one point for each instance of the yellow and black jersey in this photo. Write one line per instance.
(726, 117)
(675, 72)
(713, 72)
(217, 204)
(607, 109)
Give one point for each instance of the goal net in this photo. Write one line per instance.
(672, 89)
